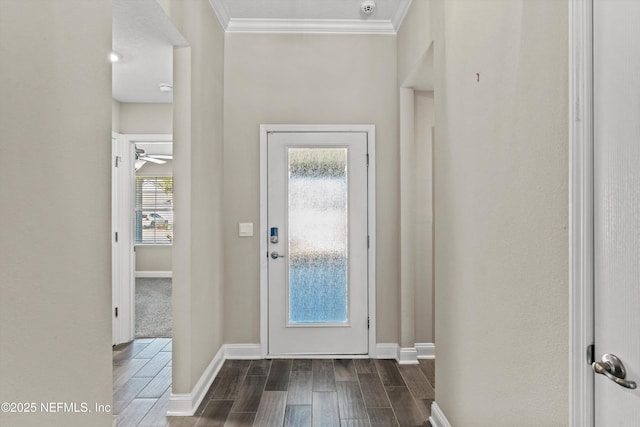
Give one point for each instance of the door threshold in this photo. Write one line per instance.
(317, 356)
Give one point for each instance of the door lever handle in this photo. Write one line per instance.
(611, 367)
(275, 255)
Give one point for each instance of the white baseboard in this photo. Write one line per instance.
(426, 350)
(155, 274)
(186, 404)
(180, 405)
(242, 351)
(437, 418)
(386, 351)
(407, 356)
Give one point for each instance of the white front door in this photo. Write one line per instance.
(617, 210)
(317, 249)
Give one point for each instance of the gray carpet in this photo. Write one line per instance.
(153, 308)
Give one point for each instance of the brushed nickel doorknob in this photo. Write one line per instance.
(275, 255)
(611, 367)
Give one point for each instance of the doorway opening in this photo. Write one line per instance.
(144, 38)
(153, 236)
(417, 139)
(317, 207)
(142, 216)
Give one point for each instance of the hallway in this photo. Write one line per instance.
(299, 392)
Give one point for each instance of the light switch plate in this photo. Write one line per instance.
(245, 229)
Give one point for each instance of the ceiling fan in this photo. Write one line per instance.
(142, 157)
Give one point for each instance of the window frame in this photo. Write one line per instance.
(140, 210)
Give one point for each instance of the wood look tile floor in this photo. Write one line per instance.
(273, 393)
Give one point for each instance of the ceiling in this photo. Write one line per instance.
(156, 147)
(144, 36)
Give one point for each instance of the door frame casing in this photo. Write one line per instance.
(581, 173)
(265, 129)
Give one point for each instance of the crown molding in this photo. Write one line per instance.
(401, 12)
(319, 26)
(327, 26)
(221, 12)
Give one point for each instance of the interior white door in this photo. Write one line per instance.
(617, 210)
(115, 256)
(317, 218)
(122, 256)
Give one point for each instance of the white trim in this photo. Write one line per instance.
(328, 26)
(317, 356)
(437, 418)
(148, 137)
(180, 405)
(186, 404)
(404, 355)
(242, 351)
(386, 351)
(155, 274)
(581, 410)
(401, 12)
(264, 261)
(407, 356)
(371, 172)
(371, 200)
(426, 350)
(407, 224)
(319, 26)
(221, 12)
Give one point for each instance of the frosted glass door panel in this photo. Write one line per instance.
(318, 235)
